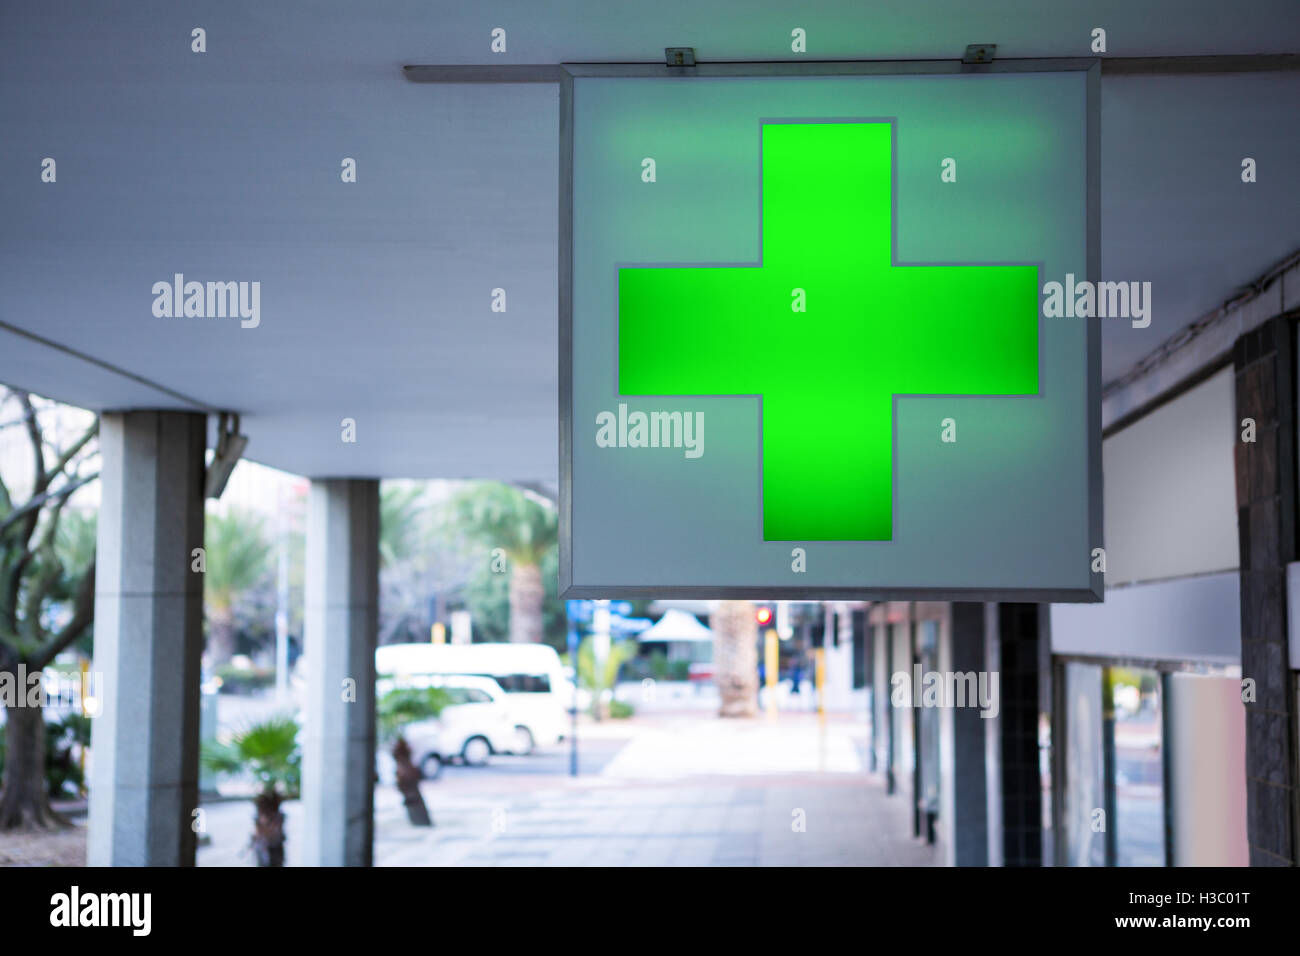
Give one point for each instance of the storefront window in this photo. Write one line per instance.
(1115, 778)
(1139, 768)
(901, 663)
(1085, 789)
(927, 646)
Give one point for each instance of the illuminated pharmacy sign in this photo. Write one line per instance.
(803, 348)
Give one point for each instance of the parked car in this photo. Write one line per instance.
(537, 688)
(476, 724)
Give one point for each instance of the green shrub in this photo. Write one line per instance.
(619, 708)
(63, 739)
(659, 665)
(242, 680)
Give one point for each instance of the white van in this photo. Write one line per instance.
(537, 688)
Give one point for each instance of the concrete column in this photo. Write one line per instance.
(1267, 528)
(883, 727)
(148, 639)
(963, 810)
(993, 737)
(341, 626)
(839, 657)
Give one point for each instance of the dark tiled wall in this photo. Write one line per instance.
(1264, 362)
(969, 826)
(1022, 800)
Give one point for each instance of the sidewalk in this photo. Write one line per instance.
(678, 791)
(748, 822)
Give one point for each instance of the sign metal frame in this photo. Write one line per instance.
(568, 72)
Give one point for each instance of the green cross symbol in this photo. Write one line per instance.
(826, 377)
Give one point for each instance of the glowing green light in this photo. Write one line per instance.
(827, 376)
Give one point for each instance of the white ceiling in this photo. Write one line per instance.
(375, 296)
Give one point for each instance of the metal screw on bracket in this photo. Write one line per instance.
(679, 55)
(980, 53)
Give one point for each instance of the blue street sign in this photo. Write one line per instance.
(580, 610)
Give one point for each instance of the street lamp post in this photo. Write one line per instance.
(573, 730)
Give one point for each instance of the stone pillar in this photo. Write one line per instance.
(883, 728)
(148, 640)
(1266, 525)
(963, 811)
(341, 627)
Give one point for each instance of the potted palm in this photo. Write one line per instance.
(268, 752)
(398, 708)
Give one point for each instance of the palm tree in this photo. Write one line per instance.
(600, 677)
(268, 752)
(524, 528)
(397, 708)
(735, 658)
(237, 559)
(400, 525)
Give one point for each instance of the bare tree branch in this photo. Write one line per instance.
(76, 447)
(12, 587)
(25, 517)
(38, 443)
(32, 507)
(82, 615)
(50, 574)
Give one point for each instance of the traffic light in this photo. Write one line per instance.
(765, 618)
